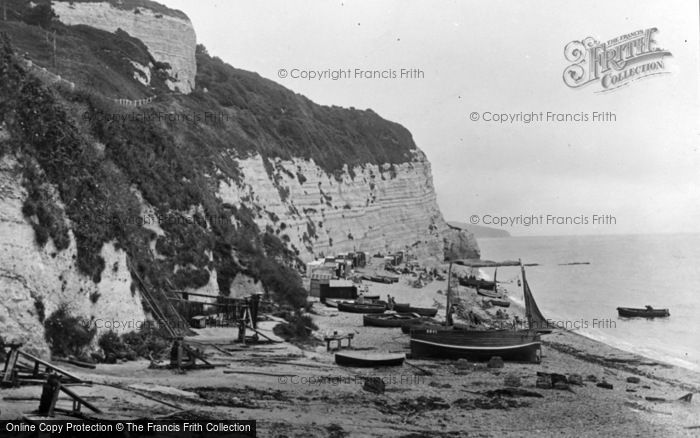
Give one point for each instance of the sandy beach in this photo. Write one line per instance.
(298, 391)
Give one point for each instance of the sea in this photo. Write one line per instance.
(581, 280)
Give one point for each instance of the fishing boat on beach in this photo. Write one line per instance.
(489, 294)
(477, 283)
(422, 311)
(391, 320)
(646, 312)
(478, 345)
(345, 306)
(381, 279)
(499, 302)
(329, 302)
(483, 344)
(369, 360)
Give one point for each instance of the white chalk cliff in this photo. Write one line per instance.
(379, 209)
(169, 37)
(32, 277)
(371, 207)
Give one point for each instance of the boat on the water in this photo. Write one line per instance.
(369, 360)
(391, 320)
(422, 311)
(478, 345)
(345, 306)
(647, 312)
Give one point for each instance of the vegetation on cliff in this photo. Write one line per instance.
(88, 161)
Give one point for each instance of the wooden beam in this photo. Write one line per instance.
(80, 400)
(194, 294)
(50, 366)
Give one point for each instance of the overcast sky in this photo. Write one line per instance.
(501, 57)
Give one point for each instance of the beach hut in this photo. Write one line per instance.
(338, 289)
(319, 279)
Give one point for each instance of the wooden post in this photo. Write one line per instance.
(8, 378)
(49, 395)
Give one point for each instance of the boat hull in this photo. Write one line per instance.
(489, 294)
(351, 360)
(361, 308)
(476, 345)
(422, 311)
(401, 307)
(374, 320)
(630, 312)
(499, 303)
(477, 284)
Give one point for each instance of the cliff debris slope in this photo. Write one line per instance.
(122, 159)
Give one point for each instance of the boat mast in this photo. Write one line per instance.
(528, 311)
(448, 314)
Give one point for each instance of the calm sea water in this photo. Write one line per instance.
(627, 271)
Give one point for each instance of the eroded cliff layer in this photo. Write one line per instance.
(376, 209)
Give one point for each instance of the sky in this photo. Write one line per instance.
(636, 173)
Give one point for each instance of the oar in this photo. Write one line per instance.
(424, 371)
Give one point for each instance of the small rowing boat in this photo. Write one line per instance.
(369, 360)
(346, 306)
(331, 303)
(477, 283)
(647, 312)
(499, 303)
(489, 294)
(391, 320)
(422, 311)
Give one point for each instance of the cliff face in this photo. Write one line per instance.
(168, 35)
(378, 209)
(226, 206)
(35, 281)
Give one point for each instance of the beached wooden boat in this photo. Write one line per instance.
(422, 311)
(391, 320)
(331, 303)
(499, 302)
(401, 307)
(425, 325)
(381, 279)
(490, 294)
(371, 297)
(369, 360)
(345, 306)
(647, 312)
(523, 345)
(477, 283)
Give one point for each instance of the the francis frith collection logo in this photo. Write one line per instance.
(614, 63)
